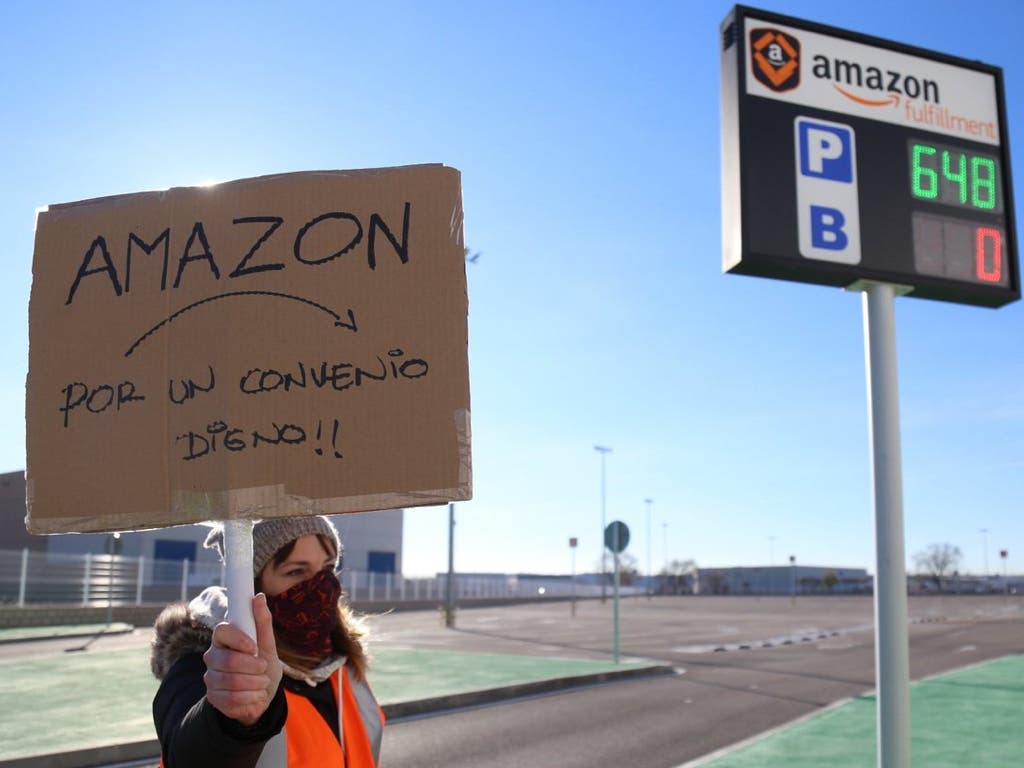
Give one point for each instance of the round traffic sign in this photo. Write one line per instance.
(616, 536)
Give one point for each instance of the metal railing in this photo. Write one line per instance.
(91, 580)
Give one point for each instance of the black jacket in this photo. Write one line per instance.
(192, 733)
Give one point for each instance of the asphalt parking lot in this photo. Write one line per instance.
(743, 665)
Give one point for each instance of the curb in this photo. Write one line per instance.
(439, 704)
(70, 635)
(90, 758)
(138, 751)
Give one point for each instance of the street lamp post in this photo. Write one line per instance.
(1006, 580)
(664, 545)
(984, 540)
(113, 546)
(604, 569)
(650, 574)
(449, 589)
(792, 586)
(572, 546)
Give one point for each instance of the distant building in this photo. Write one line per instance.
(782, 580)
(551, 585)
(12, 515)
(372, 540)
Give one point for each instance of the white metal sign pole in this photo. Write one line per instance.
(616, 618)
(238, 574)
(892, 657)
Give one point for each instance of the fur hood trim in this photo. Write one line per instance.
(176, 634)
(181, 629)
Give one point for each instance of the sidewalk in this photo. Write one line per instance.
(966, 718)
(71, 688)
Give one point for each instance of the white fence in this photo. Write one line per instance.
(32, 578)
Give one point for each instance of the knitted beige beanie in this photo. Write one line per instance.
(268, 536)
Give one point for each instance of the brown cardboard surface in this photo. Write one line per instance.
(281, 345)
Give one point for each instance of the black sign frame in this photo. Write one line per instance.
(759, 178)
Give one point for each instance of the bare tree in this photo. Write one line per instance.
(674, 577)
(628, 570)
(937, 561)
(680, 567)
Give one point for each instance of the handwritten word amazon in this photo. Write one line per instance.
(319, 241)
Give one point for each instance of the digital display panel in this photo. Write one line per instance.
(960, 249)
(959, 181)
(847, 158)
(956, 176)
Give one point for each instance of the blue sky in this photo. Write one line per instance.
(587, 134)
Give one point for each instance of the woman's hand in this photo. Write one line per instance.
(242, 676)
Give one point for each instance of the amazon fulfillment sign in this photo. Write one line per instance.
(848, 158)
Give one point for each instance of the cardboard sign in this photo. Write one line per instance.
(292, 344)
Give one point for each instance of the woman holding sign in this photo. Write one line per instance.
(226, 700)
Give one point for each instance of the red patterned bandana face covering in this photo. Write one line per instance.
(305, 614)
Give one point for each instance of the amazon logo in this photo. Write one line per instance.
(873, 86)
(775, 58)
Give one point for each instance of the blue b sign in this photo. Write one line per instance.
(826, 191)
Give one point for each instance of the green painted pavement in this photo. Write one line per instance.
(72, 701)
(75, 701)
(969, 717)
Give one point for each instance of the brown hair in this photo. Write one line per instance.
(348, 634)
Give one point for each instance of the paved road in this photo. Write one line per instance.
(745, 665)
(719, 698)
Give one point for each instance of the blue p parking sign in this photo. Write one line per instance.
(828, 214)
(825, 150)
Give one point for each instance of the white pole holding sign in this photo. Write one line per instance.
(892, 656)
(238, 574)
(616, 620)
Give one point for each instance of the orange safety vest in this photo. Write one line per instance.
(310, 742)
